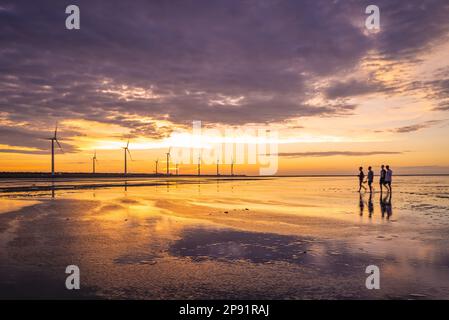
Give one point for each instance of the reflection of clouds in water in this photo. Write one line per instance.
(327, 257)
(236, 245)
(226, 245)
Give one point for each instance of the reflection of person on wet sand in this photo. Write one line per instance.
(361, 205)
(388, 206)
(385, 205)
(370, 206)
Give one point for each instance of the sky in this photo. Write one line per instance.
(332, 94)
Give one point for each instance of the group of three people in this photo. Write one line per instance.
(386, 175)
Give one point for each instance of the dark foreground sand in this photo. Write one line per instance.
(286, 238)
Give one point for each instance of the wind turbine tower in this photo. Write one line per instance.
(156, 163)
(126, 150)
(94, 161)
(53, 140)
(218, 171)
(168, 161)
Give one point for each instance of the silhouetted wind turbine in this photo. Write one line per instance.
(94, 161)
(218, 172)
(232, 166)
(199, 164)
(156, 162)
(177, 169)
(168, 161)
(53, 140)
(126, 150)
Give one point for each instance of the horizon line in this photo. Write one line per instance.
(11, 174)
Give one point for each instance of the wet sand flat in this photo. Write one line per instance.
(277, 238)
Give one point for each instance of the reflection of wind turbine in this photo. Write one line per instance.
(53, 140)
(156, 162)
(126, 150)
(168, 161)
(94, 161)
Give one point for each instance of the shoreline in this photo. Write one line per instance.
(91, 184)
(36, 182)
(82, 175)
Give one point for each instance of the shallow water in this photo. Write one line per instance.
(277, 238)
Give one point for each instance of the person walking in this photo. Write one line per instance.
(361, 179)
(383, 172)
(388, 178)
(370, 179)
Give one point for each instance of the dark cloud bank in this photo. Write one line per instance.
(195, 58)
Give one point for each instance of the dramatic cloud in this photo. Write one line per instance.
(335, 153)
(30, 141)
(443, 107)
(226, 62)
(435, 90)
(418, 126)
(353, 87)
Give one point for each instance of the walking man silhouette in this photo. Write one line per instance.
(361, 179)
(370, 179)
(383, 172)
(388, 178)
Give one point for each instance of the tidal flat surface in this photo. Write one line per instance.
(275, 238)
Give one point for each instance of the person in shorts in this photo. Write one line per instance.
(388, 178)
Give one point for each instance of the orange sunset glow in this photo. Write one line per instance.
(216, 157)
(369, 99)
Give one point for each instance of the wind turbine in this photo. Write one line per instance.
(232, 166)
(94, 161)
(156, 162)
(218, 162)
(199, 164)
(53, 140)
(177, 169)
(168, 161)
(126, 150)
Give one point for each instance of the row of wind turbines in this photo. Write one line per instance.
(54, 139)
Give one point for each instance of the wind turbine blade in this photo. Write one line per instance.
(127, 145)
(129, 154)
(59, 145)
(56, 130)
